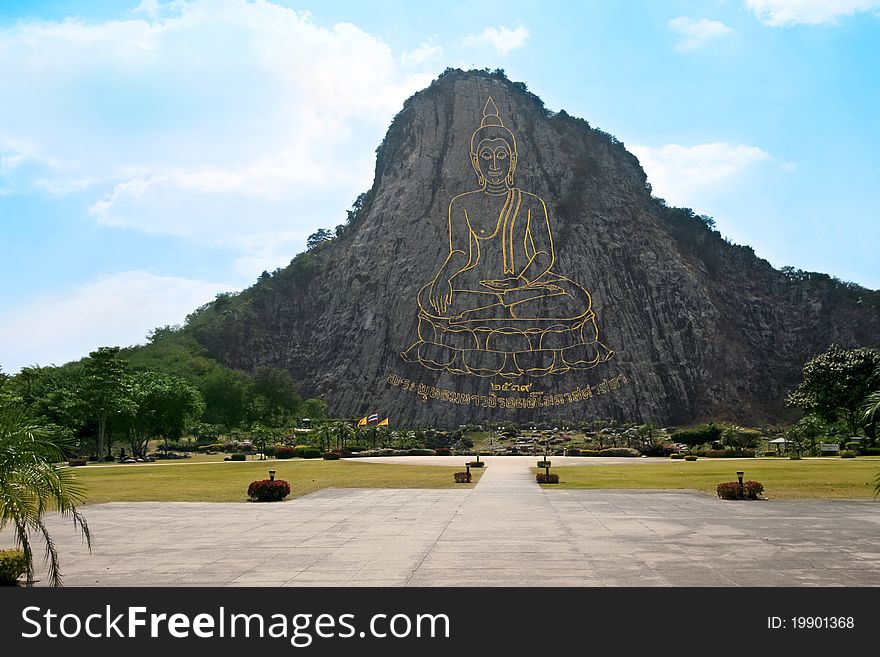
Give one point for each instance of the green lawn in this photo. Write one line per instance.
(782, 478)
(183, 481)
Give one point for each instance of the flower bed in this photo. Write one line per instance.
(729, 490)
(268, 490)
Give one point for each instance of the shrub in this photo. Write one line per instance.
(619, 451)
(237, 457)
(589, 452)
(268, 490)
(213, 447)
(284, 452)
(847, 454)
(870, 451)
(730, 490)
(770, 452)
(75, 462)
(853, 445)
(13, 564)
(462, 477)
(666, 449)
(753, 489)
(544, 478)
(729, 453)
(572, 452)
(443, 451)
(476, 464)
(690, 457)
(676, 456)
(331, 456)
(307, 452)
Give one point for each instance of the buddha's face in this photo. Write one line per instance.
(494, 160)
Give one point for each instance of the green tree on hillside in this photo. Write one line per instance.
(32, 484)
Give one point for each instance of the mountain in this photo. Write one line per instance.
(575, 293)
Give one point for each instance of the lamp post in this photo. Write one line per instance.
(739, 475)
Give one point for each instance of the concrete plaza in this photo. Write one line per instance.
(505, 531)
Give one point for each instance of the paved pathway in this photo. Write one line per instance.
(506, 531)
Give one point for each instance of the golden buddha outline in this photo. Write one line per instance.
(495, 306)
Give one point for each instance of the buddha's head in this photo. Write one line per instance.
(493, 149)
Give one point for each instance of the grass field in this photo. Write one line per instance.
(203, 481)
(782, 478)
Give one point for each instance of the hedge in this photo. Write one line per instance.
(729, 453)
(544, 478)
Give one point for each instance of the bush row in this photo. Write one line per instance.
(609, 451)
(395, 452)
(300, 451)
(726, 453)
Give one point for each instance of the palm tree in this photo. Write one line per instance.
(32, 483)
(871, 407)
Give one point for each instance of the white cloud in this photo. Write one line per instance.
(502, 39)
(424, 53)
(685, 175)
(212, 119)
(777, 13)
(114, 310)
(695, 33)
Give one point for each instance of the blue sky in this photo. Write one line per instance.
(155, 153)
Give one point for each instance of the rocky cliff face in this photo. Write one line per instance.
(699, 328)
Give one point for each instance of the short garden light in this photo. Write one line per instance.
(739, 475)
(271, 475)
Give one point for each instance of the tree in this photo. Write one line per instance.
(32, 483)
(162, 406)
(273, 397)
(314, 409)
(737, 437)
(871, 407)
(807, 429)
(106, 390)
(320, 235)
(836, 384)
(226, 397)
(706, 433)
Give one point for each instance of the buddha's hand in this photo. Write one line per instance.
(499, 285)
(441, 295)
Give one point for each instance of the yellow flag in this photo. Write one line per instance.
(383, 423)
(362, 422)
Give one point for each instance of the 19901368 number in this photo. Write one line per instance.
(822, 622)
